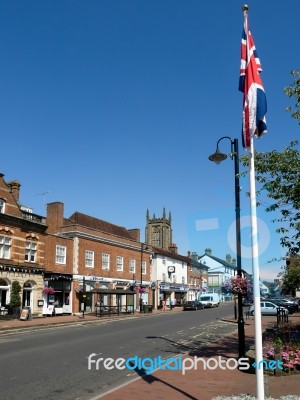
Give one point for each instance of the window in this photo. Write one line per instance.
(89, 259)
(30, 251)
(119, 263)
(183, 280)
(5, 247)
(132, 266)
(174, 279)
(61, 254)
(105, 261)
(144, 270)
(2, 206)
(164, 277)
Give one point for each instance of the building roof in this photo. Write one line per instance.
(171, 254)
(98, 224)
(219, 260)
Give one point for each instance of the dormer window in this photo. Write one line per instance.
(2, 206)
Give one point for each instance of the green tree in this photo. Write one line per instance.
(291, 280)
(293, 91)
(15, 299)
(278, 174)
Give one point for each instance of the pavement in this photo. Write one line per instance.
(196, 384)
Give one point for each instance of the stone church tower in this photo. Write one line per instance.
(159, 231)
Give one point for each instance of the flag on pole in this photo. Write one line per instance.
(254, 100)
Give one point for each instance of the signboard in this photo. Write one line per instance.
(24, 315)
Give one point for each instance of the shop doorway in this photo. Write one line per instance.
(27, 295)
(3, 293)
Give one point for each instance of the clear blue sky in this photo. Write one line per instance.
(113, 107)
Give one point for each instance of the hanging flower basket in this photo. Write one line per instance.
(48, 290)
(237, 285)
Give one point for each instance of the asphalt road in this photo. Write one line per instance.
(52, 364)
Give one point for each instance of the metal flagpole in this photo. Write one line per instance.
(256, 289)
(250, 127)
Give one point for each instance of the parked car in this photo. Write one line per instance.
(192, 305)
(291, 306)
(268, 308)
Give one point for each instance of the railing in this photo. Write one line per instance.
(33, 217)
(113, 310)
(282, 316)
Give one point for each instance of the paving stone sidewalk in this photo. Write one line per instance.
(195, 384)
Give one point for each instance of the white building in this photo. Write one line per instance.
(219, 270)
(169, 274)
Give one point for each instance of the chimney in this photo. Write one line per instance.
(55, 216)
(15, 189)
(233, 262)
(208, 251)
(173, 248)
(228, 258)
(135, 234)
(194, 256)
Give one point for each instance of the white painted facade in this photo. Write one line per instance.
(170, 275)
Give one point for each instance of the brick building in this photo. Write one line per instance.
(22, 249)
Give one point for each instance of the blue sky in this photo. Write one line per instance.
(113, 108)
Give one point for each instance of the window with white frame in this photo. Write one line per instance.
(30, 251)
(164, 277)
(174, 278)
(144, 268)
(61, 252)
(2, 206)
(89, 259)
(183, 279)
(119, 263)
(105, 261)
(132, 266)
(5, 247)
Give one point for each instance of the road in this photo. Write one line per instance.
(52, 364)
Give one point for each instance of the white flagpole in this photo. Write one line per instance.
(256, 289)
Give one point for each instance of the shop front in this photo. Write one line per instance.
(176, 293)
(57, 294)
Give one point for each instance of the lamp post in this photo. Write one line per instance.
(218, 157)
(141, 299)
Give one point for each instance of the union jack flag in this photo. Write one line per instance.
(254, 99)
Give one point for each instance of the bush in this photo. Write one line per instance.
(15, 299)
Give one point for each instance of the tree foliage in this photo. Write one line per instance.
(291, 280)
(278, 174)
(15, 300)
(293, 91)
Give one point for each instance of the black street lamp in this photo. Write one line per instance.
(141, 299)
(218, 157)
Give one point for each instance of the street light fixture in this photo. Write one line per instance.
(141, 299)
(218, 157)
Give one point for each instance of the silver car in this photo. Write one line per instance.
(268, 308)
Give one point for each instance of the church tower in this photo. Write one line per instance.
(159, 231)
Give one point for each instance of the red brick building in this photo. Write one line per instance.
(22, 249)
